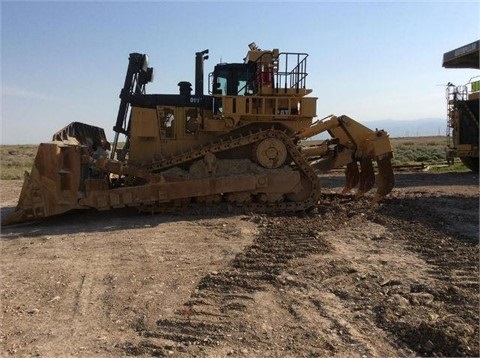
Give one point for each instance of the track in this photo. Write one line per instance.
(233, 142)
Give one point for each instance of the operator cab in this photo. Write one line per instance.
(257, 76)
(233, 79)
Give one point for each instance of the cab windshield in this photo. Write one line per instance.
(233, 79)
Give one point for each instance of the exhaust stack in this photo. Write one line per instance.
(199, 58)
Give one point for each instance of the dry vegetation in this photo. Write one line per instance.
(15, 160)
(414, 150)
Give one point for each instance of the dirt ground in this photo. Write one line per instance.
(348, 280)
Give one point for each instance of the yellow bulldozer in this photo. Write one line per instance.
(242, 144)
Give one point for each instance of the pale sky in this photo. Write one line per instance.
(65, 61)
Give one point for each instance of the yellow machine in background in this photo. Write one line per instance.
(240, 144)
(463, 104)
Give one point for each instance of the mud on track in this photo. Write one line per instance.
(346, 280)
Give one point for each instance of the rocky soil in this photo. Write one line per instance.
(348, 279)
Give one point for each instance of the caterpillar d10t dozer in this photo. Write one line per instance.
(240, 144)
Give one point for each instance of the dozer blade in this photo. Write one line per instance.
(55, 182)
(19, 214)
(52, 186)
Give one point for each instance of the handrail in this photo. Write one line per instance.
(294, 77)
(459, 93)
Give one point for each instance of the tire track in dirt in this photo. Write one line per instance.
(221, 298)
(453, 297)
(81, 297)
(432, 313)
(324, 305)
(90, 292)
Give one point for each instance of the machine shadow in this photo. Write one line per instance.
(404, 180)
(88, 221)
